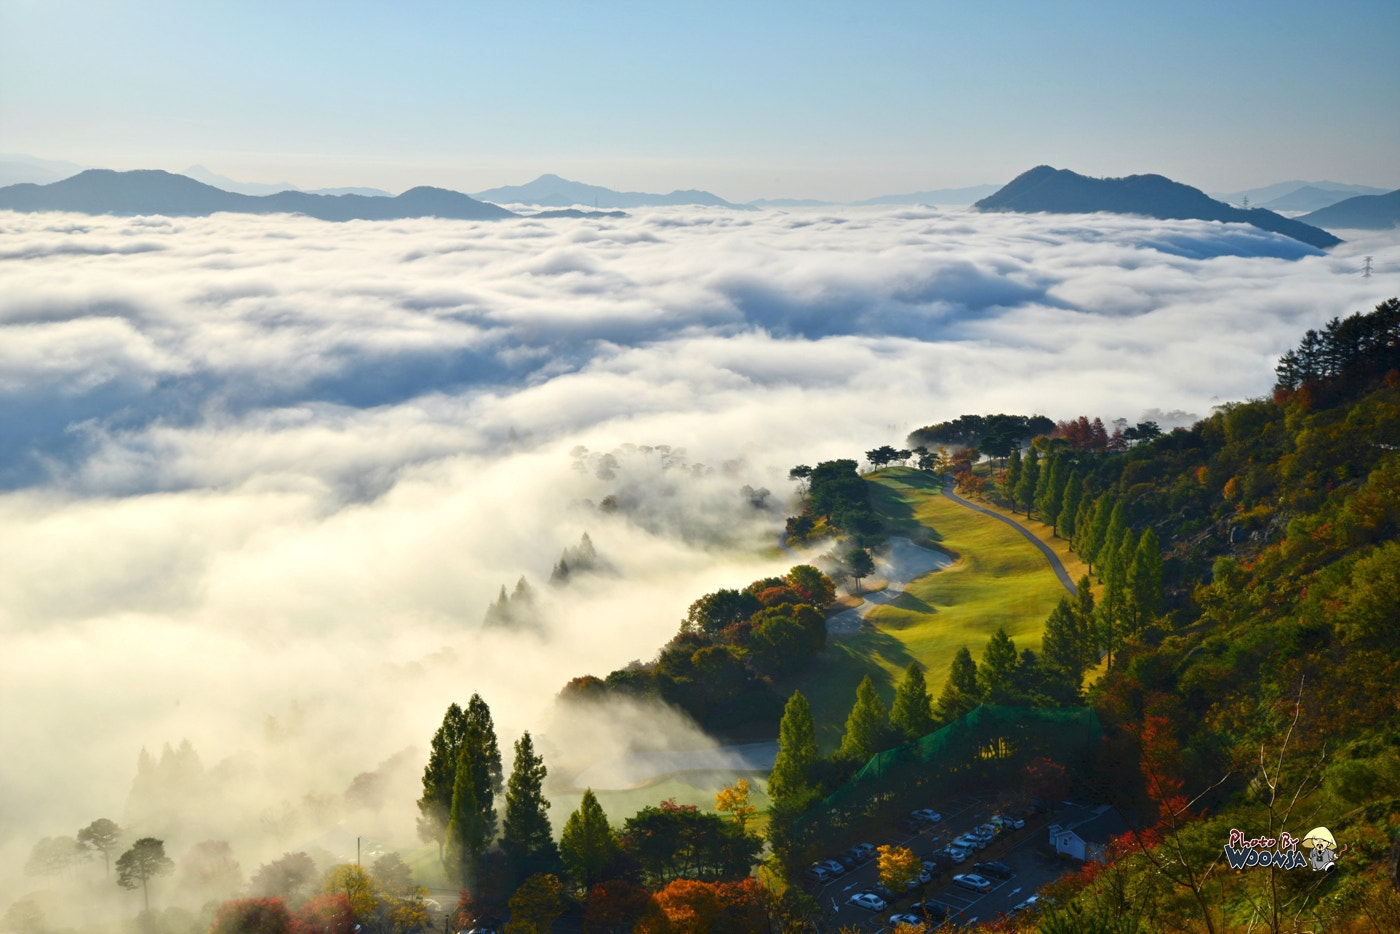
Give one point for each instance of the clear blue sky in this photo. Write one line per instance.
(771, 99)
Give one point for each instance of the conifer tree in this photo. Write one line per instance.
(1012, 475)
(865, 726)
(1052, 497)
(1060, 646)
(526, 836)
(588, 845)
(1144, 582)
(961, 692)
(1084, 621)
(1069, 507)
(911, 714)
(478, 718)
(1030, 477)
(1112, 612)
(790, 780)
(997, 674)
(439, 777)
(476, 783)
(1097, 531)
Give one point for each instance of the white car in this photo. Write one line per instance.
(1015, 822)
(956, 853)
(984, 832)
(927, 815)
(968, 842)
(832, 867)
(971, 880)
(863, 851)
(907, 919)
(867, 900)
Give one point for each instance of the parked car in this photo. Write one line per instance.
(847, 861)
(970, 880)
(867, 900)
(833, 867)
(939, 858)
(996, 870)
(885, 893)
(1015, 822)
(957, 853)
(863, 851)
(907, 919)
(933, 869)
(927, 815)
(984, 832)
(968, 842)
(933, 911)
(817, 873)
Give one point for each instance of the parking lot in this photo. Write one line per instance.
(1015, 848)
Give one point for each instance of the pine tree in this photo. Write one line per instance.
(790, 780)
(526, 836)
(1042, 486)
(865, 726)
(1069, 508)
(1060, 646)
(997, 673)
(478, 718)
(1097, 531)
(588, 845)
(1012, 475)
(1111, 612)
(439, 776)
(1052, 498)
(911, 714)
(1145, 581)
(1084, 623)
(476, 783)
(961, 692)
(1025, 486)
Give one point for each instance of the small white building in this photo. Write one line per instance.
(1083, 833)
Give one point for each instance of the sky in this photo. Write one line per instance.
(829, 100)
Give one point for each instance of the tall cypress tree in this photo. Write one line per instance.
(1097, 532)
(1145, 581)
(1026, 485)
(1069, 507)
(474, 789)
(1084, 622)
(961, 692)
(526, 836)
(911, 714)
(1060, 647)
(587, 845)
(997, 673)
(478, 717)
(790, 780)
(1012, 475)
(434, 807)
(1112, 611)
(865, 727)
(1052, 497)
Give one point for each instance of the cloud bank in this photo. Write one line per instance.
(269, 467)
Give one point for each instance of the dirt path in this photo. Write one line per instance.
(1054, 559)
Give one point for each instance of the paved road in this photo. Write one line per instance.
(1045, 549)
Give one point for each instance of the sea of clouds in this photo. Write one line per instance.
(272, 467)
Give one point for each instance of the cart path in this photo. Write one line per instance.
(1054, 559)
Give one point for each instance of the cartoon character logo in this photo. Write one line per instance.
(1323, 849)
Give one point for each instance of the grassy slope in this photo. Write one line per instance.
(999, 579)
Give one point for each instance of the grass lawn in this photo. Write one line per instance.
(998, 580)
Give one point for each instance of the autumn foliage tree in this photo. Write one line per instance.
(253, 916)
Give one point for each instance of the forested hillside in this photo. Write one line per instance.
(1264, 697)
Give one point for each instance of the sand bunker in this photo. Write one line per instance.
(906, 562)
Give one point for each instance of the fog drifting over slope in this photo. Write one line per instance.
(270, 466)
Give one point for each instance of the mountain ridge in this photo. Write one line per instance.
(1061, 191)
(551, 190)
(1364, 212)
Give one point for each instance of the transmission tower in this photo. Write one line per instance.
(1366, 269)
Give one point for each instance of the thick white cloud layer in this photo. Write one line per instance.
(266, 464)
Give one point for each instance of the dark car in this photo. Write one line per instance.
(940, 859)
(996, 870)
(883, 892)
(934, 911)
(847, 860)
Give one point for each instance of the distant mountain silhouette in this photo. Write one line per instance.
(1060, 191)
(1310, 198)
(936, 196)
(200, 174)
(1364, 212)
(555, 192)
(16, 169)
(789, 203)
(149, 191)
(1261, 197)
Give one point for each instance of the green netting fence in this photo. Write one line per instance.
(986, 750)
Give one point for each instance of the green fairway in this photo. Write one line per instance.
(999, 579)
